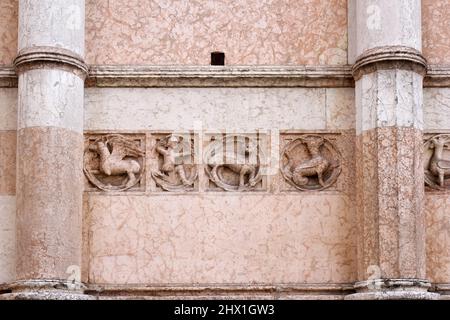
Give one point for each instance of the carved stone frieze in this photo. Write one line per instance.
(437, 162)
(310, 162)
(114, 162)
(176, 169)
(234, 162)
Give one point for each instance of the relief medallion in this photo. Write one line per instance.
(310, 162)
(176, 169)
(233, 163)
(114, 162)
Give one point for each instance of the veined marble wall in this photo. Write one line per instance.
(436, 31)
(8, 30)
(8, 124)
(436, 109)
(219, 108)
(118, 227)
(271, 236)
(221, 239)
(186, 32)
(124, 32)
(266, 237)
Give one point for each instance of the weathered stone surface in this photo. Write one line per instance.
(438, 236)
(50, 24)
(8, 162)
(49, 202)
(391, 234)
(49, 149)
(50, 98)
(251, 32)
(237, 238)
(389, 98)
(8, 30)
(7, 238)
(333, 207)
(436, 105)
(435, 29)
(377, 23)
(237, 109)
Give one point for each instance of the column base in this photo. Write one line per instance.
(46, 290)
(393, 289)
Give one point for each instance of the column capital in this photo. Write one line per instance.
(387, 58)
(40, 57)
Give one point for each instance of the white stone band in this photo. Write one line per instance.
(389, 98)
(51, 98)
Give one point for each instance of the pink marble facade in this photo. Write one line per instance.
(436, 30)
(162, 32)
(272, 237)
(288, 32)
(8, 31)
(49, 180)
(8, 162)
(387, 171)
(438, 236)
(247, 239)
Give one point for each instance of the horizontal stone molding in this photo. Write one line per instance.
(389, 57)
(217, 290)
(50, 57)
(228, 76)
(437, 76)
(8, 77)
(443, 289)
(46, 284)
(44, 289)
(112, 291)
(220, 76)
(394, 289)
(393, 284)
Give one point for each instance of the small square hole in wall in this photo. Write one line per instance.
(217, 58)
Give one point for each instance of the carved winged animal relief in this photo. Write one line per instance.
(114, 162)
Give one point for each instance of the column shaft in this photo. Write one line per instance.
(49, 147)
(385, 44)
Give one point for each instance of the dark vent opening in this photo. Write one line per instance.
(217, 58)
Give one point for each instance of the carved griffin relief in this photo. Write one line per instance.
(113, 162)
(233, 163)
(437, 162)
(310, 162)
(176, 169)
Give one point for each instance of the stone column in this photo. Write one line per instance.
(388, 67)
(49, 149)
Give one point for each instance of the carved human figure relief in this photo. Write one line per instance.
(114, 162)
(176, 169)
(233, 163)
(310, 162)
(437, 161)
